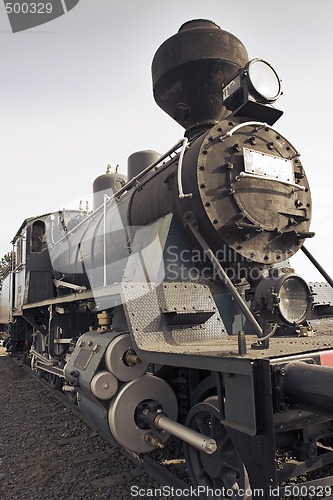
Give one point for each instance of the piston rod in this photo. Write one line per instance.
(193, 438)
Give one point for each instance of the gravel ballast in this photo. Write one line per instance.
(36, 456)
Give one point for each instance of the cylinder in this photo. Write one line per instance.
(308, 387)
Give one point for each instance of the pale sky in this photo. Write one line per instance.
(76, 95)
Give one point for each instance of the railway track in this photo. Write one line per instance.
(49, 451)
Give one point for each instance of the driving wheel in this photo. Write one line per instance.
(223, 471)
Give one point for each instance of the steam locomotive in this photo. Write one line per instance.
(171, 309)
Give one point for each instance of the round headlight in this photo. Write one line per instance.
(295, 299)
(264, 80)
(284, 300)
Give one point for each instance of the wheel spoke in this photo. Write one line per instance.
(203, 425)
(223, 439)
(217, 427)
(54, 380)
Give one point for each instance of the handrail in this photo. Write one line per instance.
(181, 194)
(255, 124)
(267, 178)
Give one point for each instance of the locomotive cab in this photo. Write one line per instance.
(32, 268)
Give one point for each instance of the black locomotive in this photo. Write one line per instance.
(171, 308)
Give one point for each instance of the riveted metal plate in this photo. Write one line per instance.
(323, 294)
(144, 304)
(148, 308)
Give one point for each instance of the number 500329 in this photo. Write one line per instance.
(28, 8)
